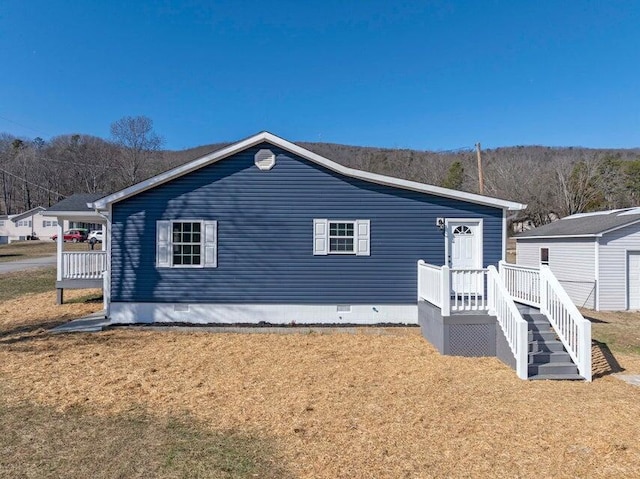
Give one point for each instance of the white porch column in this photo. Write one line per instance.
(60, 246)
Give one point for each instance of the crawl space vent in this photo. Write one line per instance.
(181, 308)
(265, 159)
(343, 308)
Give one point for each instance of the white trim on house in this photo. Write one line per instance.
(597, 273)
(504, 235)
(309, 155)
(209, 313)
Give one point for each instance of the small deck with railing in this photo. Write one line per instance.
(488, 293)
(81, 269)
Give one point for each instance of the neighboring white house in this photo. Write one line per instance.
(27, 225)
(595, 256)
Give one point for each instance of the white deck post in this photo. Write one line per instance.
(543, 290)
(446, 292)
(420, 262)
(59, 247)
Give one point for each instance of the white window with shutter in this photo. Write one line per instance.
(186, 244)
(345, 237)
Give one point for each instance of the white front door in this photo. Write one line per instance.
(464, 251)
(633, 279)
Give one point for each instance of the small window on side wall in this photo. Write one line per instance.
(544, 256)
(186, 244)
(343, 237)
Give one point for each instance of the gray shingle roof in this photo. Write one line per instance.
(586, 224)
(77, 202)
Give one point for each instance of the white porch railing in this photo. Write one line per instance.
(573, 330)
(513, 325)
(452, 289)
(84, 265)
(522, 282)
(430, 283)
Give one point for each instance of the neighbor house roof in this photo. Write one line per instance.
(309, 155)
(76, 202)
(585, 224)
(27, 214)
(75, 208)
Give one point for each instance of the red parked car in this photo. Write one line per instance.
(74, 236)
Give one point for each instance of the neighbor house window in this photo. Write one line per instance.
(24, 223)
(544, 256)
(49, 223)
(347, 237)
(186, 244)
(1, 222)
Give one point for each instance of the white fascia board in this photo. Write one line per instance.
(556, 237)
(311, 156)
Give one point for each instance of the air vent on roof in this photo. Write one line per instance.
(265, 159)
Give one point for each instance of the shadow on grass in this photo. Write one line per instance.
(42, 442)
(603, 360)
(22, 332)
(595, 320)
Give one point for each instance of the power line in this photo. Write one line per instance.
(32, 183)
(23, 126)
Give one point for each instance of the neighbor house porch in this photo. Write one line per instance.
(521, 315)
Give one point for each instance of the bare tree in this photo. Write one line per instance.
(138, 142)
(579, 185)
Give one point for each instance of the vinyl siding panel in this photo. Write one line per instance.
(265, 236)
(613, 266)
(571, 260)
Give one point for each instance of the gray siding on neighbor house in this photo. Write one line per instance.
(572, 261)
(265, 236)
(613, 266)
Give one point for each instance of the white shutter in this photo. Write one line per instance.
(320, 237)
(210, 244)
(163, 244)
(363, 235)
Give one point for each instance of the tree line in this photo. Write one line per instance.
(553, 182)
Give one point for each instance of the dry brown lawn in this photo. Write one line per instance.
(134, 403)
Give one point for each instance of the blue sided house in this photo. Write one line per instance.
(265, 231)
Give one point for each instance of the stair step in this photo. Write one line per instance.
(552, 357)
(552, 368)
(545, 346)
(542, 336)
(539, 327)
(556, 377)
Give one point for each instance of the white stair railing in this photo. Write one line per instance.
(512, 324)
(572, 329)
(522, 282)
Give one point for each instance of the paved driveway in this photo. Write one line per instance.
(25, 264)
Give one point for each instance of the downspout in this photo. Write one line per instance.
(106, 246)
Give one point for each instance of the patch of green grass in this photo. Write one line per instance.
(13, 285)
(33, 249)
(41, 442)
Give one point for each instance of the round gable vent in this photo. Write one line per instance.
(265, 159)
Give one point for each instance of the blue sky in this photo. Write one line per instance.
(426, 75)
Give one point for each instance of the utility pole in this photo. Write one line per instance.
(480, 175)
